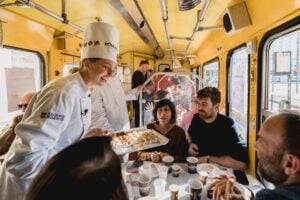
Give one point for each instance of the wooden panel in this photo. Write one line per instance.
(28, 35)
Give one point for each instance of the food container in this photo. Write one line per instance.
(136, 139)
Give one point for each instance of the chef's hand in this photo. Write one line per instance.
(96, 132)
(193, 149)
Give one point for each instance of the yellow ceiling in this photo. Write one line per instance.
(181, 23)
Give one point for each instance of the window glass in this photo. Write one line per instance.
(211, 74)
(177, 87)
(283, 73)
(20, 73)
(162, 67)
(238, 90)
(69, 69)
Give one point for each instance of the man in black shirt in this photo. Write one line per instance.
(213, 136)
(138, 78)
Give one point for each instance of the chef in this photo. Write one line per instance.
(109, 109)
(60, 113)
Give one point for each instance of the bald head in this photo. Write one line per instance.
(25, 99)
(287, 124)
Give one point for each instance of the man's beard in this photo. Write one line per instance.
(205, 115)
(271, 168)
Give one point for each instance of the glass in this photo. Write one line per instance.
(238, 90)
(177, 87)
(159, 186)
(283, 73)
(25, 70)
(163, 172)
(144, 185)
(211, 74)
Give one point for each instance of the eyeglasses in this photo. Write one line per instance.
(22, 106)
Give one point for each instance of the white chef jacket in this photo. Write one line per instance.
(109, 109)
(56, 117)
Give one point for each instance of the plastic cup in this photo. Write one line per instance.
(192, 164)
(203, 176)
(163, 172)
(159, 186)
(195, 186)
(168, 160)
(176, 170)
(144, 185)
(174, 189)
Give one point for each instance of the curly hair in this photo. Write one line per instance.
(162, 103)
(212, 92)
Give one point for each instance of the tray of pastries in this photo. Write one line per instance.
(136, 139)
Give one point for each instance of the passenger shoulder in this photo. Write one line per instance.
(226, 119)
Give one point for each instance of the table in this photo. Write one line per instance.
(131, 182)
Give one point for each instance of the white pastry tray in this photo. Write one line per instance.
(136, 139)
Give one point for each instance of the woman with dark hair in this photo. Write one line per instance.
(164, 115)
(88, 169)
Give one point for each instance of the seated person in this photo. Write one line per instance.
(213, 136)
(9, 135)
(188, 116)
(278, 151)
(88, 169)
(165, 117)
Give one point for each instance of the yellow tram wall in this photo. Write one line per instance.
(265, 15)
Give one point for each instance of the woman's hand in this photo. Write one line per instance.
(149, 106)
(155, 157)
(193, 149)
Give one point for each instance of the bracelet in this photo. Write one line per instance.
(208, 159)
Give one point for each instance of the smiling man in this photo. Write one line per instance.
(213, 136)
(60, 113)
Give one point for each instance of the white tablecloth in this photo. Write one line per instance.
(131, 181)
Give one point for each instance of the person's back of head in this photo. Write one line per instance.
(212, 92)
(167, 70)
(25, 99)
(88, 169)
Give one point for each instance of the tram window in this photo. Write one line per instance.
(67, 68)
(238, 90)
(283, 72)
(20, 72)
(211, 74)
(162, 67)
